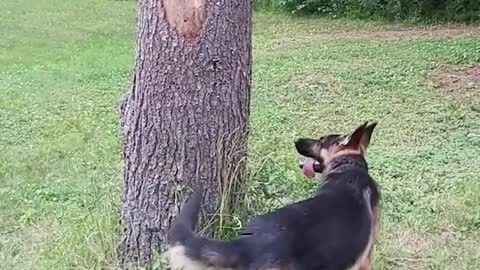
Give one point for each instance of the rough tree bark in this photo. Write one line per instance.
(185, 118)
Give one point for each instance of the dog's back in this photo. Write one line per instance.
(328, 231)
(334, 230)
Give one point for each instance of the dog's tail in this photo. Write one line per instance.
(182, 228)
(187, 251)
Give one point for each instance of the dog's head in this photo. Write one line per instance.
(328, 147)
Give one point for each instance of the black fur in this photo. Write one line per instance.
(329, 231)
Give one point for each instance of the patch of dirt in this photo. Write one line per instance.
(393, 35)
(407, 249)
(458, 82)
(409, 34)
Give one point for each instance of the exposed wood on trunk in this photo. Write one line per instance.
(185, 16)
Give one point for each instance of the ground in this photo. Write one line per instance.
(461, 82)
(64, 66)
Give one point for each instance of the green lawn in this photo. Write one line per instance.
(65, 64)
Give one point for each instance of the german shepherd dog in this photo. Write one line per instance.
(334, 230)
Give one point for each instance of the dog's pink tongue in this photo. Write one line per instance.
(308, 170)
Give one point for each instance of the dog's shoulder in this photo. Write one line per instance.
(352, 178)
(333, 217)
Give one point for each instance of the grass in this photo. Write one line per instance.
(64, 66)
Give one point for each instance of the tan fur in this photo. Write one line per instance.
(375, 213)
(179, 261)
(334, 152)
(364, 261)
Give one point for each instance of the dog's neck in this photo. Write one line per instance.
(343, 163)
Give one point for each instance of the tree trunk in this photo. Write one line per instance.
(185, 119)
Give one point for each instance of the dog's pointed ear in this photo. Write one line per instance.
(367, 135)
(353, 141)
(308, 147)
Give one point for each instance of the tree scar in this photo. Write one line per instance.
(186, 17)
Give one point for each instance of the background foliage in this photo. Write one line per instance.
(430, 10)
